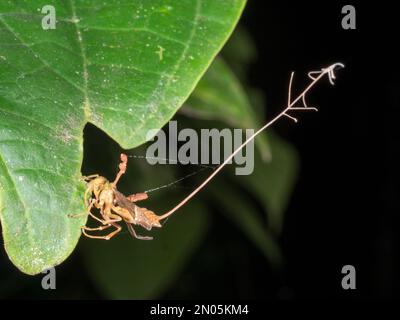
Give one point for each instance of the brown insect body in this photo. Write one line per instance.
(115, 206)
(141, 216)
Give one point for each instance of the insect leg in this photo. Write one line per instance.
(77, 215)
(137, 197)
(92, 176)
(134, 234)
(104, 222)
(98, 228)
(110, 218)
(88, 212)
(122, 168)
(106, 237)
(112, 234)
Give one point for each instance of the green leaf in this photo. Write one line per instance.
(220, 96)
(273, 182)
(125, 66)
(129, 269)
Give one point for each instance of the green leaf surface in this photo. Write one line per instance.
(125, 66)
(220, 96)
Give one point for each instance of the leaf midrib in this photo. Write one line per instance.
(85, 74)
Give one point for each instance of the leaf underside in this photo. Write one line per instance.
(124, 66)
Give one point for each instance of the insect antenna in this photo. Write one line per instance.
(202, 168)
(176, 181)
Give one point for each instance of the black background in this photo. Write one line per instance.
(344, 209)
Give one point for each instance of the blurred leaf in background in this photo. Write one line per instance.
(219, 95)
(239, 53)
(273, 183)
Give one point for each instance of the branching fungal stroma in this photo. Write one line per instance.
(115, 207)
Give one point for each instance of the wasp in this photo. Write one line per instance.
(115, 207)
